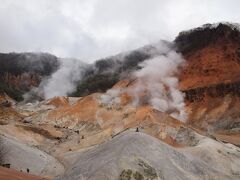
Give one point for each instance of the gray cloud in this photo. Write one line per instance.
(89, 29)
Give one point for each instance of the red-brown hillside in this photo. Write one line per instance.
(213, 62)
(211, 78)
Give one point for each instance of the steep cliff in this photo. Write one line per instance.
(210, 79)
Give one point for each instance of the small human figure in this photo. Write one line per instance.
(137, 130)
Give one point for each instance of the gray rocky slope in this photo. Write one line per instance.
(135, 155)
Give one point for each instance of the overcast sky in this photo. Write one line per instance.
(89, 29)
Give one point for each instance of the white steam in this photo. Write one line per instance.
(158, 77)
(156, 84)
(111, 97)
(64, 80)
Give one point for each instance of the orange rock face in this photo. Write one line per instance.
(216, 63)
(7, 113)
(211, 81)
(10, 174)
(83, 110)
(109, 120)
(58, 101)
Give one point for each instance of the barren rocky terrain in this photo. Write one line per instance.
(85, 138)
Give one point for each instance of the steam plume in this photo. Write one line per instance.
(158, 77)
(64, 80)
(157, 80)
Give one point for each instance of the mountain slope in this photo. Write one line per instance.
(20, 72)
(210, 79)
(106, 72)
(134, 155)
(212, 54)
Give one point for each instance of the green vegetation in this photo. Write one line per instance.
(138, 176)
(128, 174)
(200, 37)
(149, 171)
(13, 93)
(106, 72)
(18, 63)
(14, 64)
(98, 77)
(95, 83)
